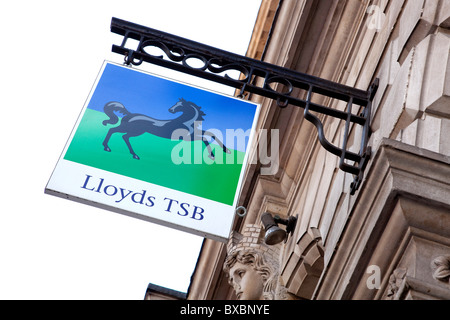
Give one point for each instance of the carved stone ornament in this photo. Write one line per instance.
(253, 268)
(395, 283)
(441, 267)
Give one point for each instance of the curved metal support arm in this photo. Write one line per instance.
(278, 83)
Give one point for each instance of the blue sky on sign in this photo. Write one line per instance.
(153, 96)
(53, 248)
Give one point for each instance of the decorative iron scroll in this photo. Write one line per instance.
(278, 83)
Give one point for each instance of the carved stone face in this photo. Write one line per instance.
(247, 283)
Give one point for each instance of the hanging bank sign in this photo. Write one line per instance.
(158, 150)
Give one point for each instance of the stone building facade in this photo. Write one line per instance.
(391, 239)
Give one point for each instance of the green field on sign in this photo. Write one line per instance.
(198, 175)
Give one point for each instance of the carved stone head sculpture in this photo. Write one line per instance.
(253, 267)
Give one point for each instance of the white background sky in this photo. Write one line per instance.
(50, 55)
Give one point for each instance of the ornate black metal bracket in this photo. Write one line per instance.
(259, 78)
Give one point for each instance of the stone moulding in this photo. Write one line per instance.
(399, 220)
(304, 265)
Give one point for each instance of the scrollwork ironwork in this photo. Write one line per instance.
(174, 54)
(217, 66)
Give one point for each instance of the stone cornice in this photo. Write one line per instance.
(402, 182)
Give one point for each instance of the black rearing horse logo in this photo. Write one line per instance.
(135, 124)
